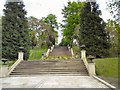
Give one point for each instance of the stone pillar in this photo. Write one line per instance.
(91, 69)
(47, 54)
(3, 70)
(83, 54)
(52, 48)
(20, 55)
(69, 48)
(72, 52)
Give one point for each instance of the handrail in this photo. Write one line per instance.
(14, 65)
(104, 82)
(72, 53)
(49, 50)
(89, 66)
(20, 58)
(86, 63)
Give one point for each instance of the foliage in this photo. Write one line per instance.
(36, 53)
(14, 31)
(114, 7)
(76, 50)
(41, 33)
(92, 31)
(9, 62)
(0, 37)
(65, 42)
(107, 67)
(71, 14)
(59, 58)
(112, 27)
(52, 21)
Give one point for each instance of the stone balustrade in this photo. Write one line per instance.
(49, 51)
(90, 66)
(20, 58)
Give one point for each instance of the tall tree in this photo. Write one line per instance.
(0, 37)
(40, 32)
(112, 27)
(92, 31)
(52, 21)
(15, 32)
(71, 14)
(114, 7)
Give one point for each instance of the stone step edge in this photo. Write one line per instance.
(49, 75)
(104, 82)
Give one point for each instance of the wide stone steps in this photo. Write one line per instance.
(50, 67)
(60, 51)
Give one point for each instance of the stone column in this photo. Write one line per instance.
(20, 55)
(83, 54)
(3, 70)
(48, 51)
(72, 52)
(92, 69)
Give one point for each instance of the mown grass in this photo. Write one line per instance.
(36, 53)
(107, 67)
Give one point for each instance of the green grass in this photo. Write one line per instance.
(36, 53)
(107, 67)
(76, 50)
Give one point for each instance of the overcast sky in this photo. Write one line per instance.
(41, 8)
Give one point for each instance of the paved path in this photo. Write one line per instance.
(51, 82)
(60, 51)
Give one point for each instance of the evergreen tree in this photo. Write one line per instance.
(92, 31)
(15, 32)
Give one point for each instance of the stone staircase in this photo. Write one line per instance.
(60, 51)
(50, 67)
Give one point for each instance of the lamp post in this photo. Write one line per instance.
(4, 60)
(82, 47)
(90, 57)
(83, 52)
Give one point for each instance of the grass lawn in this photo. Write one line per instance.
(36, 53)
(107, 67)
(76, 50)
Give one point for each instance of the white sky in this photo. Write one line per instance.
(41, 8)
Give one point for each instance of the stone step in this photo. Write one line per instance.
(25, 73)
(53, 68)
(42, 70)
(50, 67)
(53, 65)
(54, 61)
